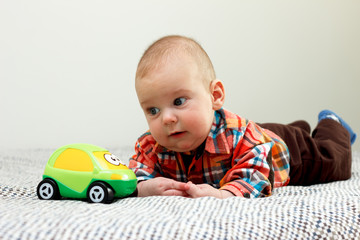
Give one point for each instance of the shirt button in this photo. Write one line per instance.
(246, 195)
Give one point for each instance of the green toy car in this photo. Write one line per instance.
(85, 171)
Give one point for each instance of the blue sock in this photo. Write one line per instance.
(327, 114)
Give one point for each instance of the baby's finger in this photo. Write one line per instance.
(179, 186)
(193, 190)
(174, 192)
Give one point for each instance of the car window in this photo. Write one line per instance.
(75, 160)
(109, 161)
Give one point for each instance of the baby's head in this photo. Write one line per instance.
(178, 92)
(169, 47)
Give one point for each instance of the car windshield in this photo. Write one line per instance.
(109, 161)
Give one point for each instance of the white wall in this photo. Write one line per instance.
(67, 67)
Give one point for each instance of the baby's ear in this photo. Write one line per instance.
(217, 94)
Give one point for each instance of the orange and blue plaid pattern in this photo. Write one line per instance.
(234, 158)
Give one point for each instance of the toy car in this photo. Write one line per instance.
(86, 171)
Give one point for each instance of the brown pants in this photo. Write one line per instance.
(320, 157)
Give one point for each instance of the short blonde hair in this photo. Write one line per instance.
(171, 46)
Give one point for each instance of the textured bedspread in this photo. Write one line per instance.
(326, 211)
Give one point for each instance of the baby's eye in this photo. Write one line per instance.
(153, 110)
(179, 101)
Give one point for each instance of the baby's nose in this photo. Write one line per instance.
(169, 117)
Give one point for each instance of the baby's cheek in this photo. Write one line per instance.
(156, 132)
(200, 126)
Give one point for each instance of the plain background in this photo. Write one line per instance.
(67, 67)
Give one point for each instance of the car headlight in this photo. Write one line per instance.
(116, 177)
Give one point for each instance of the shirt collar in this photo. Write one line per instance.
(216, 141)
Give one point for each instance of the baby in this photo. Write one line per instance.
(195, 148)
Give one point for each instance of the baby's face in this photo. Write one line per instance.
(177, 104)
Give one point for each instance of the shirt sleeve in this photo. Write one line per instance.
(251, 174)
(144, 162)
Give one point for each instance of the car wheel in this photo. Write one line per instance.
(99, 192)
(48, 190)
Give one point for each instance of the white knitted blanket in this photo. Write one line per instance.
(324, 211)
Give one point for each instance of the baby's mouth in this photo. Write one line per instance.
(177, 134)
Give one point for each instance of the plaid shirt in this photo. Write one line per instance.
(238, 156)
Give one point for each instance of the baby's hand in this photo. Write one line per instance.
(204, 190)
(161, 186)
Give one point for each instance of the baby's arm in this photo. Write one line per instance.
(161, 186)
